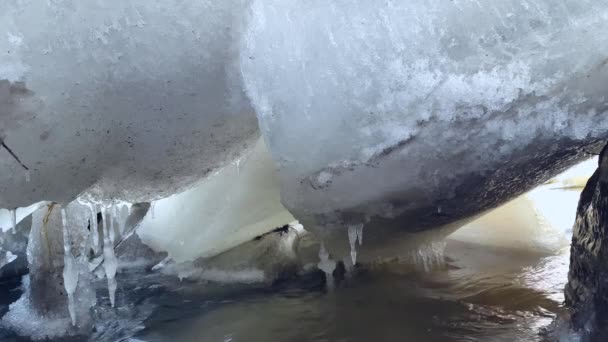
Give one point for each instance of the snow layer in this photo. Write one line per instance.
(137, 99)
(381, 109)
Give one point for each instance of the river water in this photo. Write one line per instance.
(501, 279)
(480, 294)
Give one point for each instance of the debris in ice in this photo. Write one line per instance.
(70, 270)
(110, 263)
(14, 220)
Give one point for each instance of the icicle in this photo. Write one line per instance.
(439, 209)
(352, 239)
(28, 176)
(326, 265)
(360, 234)
(70, 272)
(238, 166)
(14, 220)
(122, 218)
(110, 263)
(115, 220)
(152, 205)
(94, 228)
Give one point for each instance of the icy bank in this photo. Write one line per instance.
(417, 113)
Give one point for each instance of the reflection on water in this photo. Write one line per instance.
(482, 294)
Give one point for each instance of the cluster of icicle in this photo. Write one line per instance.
(90, 244)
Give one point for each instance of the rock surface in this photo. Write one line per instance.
(587, 288)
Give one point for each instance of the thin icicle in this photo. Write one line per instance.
(70, 272)
(360, 234)
(152, 205)
(326, 265)
(122, 218)
(14, 220)
(110, 263)
(352, 240)
(94, 228)
(115, 220)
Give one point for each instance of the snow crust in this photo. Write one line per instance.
(132, 100)
(382, 108)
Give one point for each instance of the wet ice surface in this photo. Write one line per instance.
(482, 294)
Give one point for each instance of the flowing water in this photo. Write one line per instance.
(481, 294)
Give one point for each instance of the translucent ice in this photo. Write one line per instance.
(110, 262)
(327, 265)
(352, 240)
(229, 208)
(70, 271)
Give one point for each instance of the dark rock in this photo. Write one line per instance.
(587, 288)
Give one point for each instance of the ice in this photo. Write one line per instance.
(228, 209)
(70, 271)
(359, 229)
(24, 318)
(7, 259)
(14, 220)
(383, 110)
(94, 228)
(57, 264)
(6, 216)
(110, 263)
(327, 265)
(85, 105)
(352, 239)
(122, 216)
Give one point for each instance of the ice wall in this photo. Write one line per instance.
(422, 112)
(234, 205)
(136, 99)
